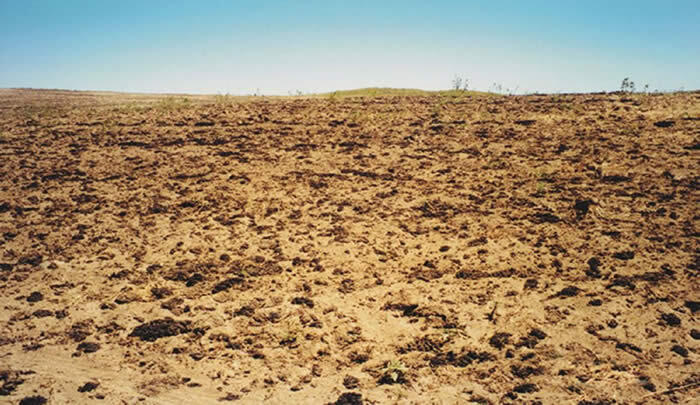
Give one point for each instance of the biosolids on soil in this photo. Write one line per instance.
(528, 249)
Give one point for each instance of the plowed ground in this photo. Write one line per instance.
(530, 249)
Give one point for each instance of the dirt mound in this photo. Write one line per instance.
(160, 328)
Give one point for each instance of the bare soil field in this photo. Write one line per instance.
(428, 250)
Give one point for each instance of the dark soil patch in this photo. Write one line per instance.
(161, 292)
(351, 382)
(532, 339)
(33, 400)
(525, 371)
(244, 311)
(227, 284)
(670, 319)
(80, 330)
(349, 398)
(625, 255)
(460, 360)
(545, 217)
(303, 301)
(538, 333)
(500, 340)
(664, 124)
(36, 296)
(570, 291)
(581, 207)
(615, 179)
(175, 305)
(622, 281)
(88, 347)
(89, 386)
(259, 268)
(628, 346)
(10, 381)
(42, 313)
(392, 377)
(425, 344)
(693, 306)
(526, 388)
(593, 268)
(476, 275)
(230, 397)
(347, 286)
(160, 328)
(32, 260)
(680, 350)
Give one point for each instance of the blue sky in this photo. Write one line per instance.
(280, 46)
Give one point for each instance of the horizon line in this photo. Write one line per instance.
(328, 93)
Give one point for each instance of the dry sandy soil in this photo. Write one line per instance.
(529, 249)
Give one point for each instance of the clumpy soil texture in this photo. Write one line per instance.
(530, 249)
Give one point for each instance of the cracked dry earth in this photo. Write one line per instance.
(528, 249)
